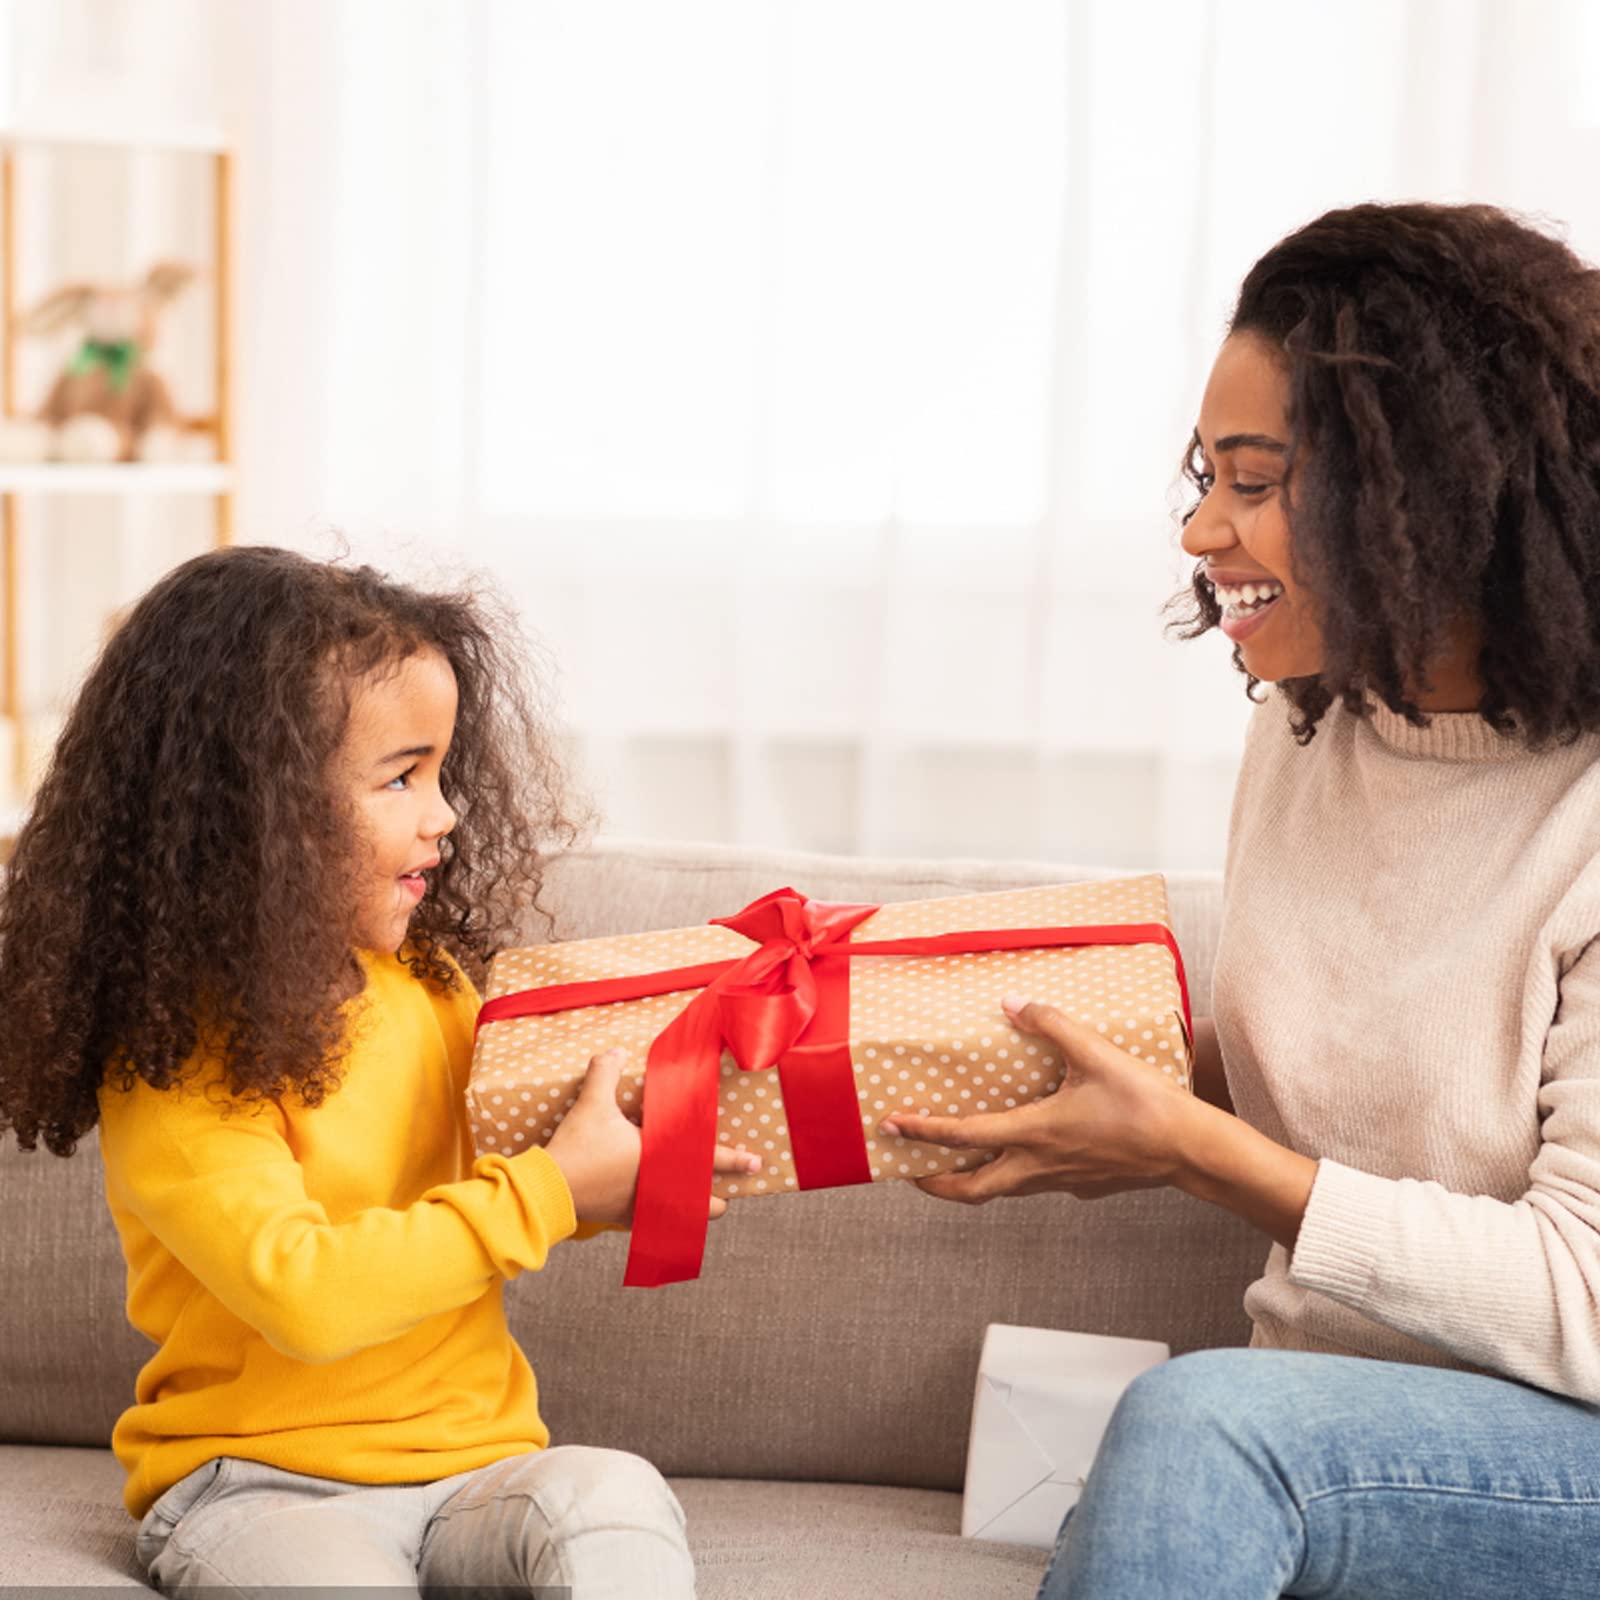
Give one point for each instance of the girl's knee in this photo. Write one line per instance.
(587, 1486)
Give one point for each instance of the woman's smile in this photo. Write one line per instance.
(1246, 600)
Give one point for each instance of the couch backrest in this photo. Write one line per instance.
(832, 1335)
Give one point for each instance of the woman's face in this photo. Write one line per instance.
(1240, 533)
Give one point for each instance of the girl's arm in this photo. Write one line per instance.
(224, 1194)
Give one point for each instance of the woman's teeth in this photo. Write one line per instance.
(1247, 597)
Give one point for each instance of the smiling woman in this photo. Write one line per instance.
(1397, 460)
(1249, 386)
(1415, 388)
(1241, 528)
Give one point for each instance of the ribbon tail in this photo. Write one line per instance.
(820, 1099)
(678, 1148)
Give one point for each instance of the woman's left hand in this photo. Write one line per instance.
(1113, 1124)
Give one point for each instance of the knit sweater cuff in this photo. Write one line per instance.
(1336, 1251)
(543, 1187)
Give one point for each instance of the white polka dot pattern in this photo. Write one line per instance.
(926, 1032)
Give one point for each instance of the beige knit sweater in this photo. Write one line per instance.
(1407, 987)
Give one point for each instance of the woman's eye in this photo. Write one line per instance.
(1251, 491)
(403, 780)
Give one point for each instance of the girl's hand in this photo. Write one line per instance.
(597, 1149)
(1113, 1124)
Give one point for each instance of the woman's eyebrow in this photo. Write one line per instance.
(1250, 441)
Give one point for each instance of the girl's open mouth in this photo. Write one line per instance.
(414, 883)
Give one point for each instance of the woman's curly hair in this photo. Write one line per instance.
(1444, 381)
(187, 873)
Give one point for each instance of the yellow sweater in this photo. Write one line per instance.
(324, 1285)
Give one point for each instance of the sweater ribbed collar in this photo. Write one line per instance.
(1449, 736)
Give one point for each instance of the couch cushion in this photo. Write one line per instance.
(799, 1541)
(62, 1520)
(625, 886)
(69, 1355)
(62, 1523)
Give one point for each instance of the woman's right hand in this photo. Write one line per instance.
(597, 1148)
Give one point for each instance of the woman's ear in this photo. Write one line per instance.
(66, 305)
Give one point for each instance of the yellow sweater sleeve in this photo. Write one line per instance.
(222, 1191)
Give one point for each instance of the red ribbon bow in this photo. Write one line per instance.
(767, 1001)
(785, 1004)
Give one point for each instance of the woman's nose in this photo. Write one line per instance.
(1207, 530)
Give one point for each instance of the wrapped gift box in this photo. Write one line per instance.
(1042, 1404)
(920, 1031)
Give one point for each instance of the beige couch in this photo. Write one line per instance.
(809, 1397)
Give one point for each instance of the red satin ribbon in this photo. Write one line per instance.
(785, 1004)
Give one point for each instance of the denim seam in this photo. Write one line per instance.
(200, 1561)
(204, 1498)
(1449, 1489)
(444, 1514)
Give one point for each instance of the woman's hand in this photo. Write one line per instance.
(597, 1149)
(1113, 1124)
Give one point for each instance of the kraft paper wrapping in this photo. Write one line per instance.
(926, 1032)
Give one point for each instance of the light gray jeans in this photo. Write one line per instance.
(592, 1524)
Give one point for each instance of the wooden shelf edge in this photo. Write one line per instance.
(188, 477)
(130, 136)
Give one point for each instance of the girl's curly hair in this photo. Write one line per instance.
(1444, 380)
(187, 871)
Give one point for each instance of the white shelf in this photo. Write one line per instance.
(178, 477)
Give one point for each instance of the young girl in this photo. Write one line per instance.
(1398, 525)
(292, 803)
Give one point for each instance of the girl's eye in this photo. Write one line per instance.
(402, 780)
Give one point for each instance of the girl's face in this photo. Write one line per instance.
(401, 723)
(1240, 533)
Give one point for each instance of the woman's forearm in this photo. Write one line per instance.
(1210, 1082)
(1232, 1165)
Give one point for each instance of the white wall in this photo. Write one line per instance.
(355, 121)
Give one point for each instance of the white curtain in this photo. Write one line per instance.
(812, 373)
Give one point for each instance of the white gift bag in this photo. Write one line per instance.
(1042, 1404)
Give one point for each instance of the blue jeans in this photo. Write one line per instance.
(1256, 1473)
